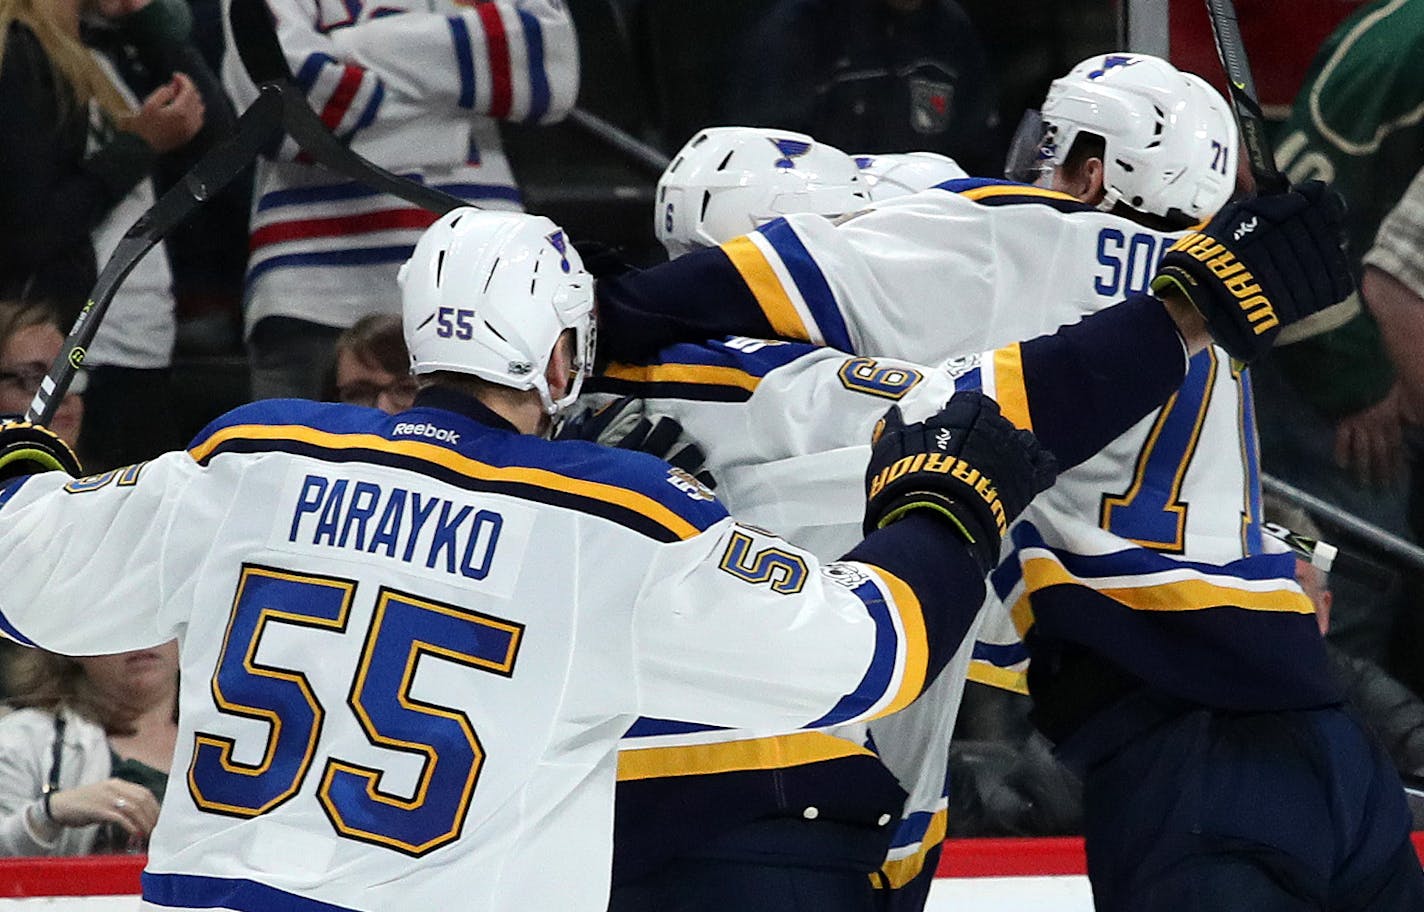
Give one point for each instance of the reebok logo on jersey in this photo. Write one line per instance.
(945, 465)
(1236, 277)
(430, 431)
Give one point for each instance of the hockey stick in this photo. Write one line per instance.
(1252, 123)
(620, 140)
(256, 40)
(215, 170)
(280, 105)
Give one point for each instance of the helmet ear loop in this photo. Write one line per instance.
(1111, 197)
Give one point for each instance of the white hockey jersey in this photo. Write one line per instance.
(410, 643)
(786, 429)
(1151, 553)
(417, 87)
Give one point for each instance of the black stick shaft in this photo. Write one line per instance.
(1227, 32)
(214, 171)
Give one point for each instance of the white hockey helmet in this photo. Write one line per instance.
(728, 180)
(1170, 138)
(900, 173)
(489, 294)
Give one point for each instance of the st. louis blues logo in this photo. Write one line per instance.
(790, 149)
(1112, 62)
(562, 246)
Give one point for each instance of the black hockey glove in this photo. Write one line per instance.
(1262, 264)
(623, 423)
(967, 463)
(28, 449)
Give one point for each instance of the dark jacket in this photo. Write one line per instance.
(55, 192)
(866, 78)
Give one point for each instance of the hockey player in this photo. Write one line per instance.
(418, 87)
(728, 180)
(410, 642)
(1174, 661)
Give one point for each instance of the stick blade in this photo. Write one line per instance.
(255, 34)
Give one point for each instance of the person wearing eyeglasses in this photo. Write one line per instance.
(30, 338)
(372, 366)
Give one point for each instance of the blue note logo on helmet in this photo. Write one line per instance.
(790, 149)
(728, 180)
(1170, 140)
(490, 293)
(1110, 62)
(561, 244)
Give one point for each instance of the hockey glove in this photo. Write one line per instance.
(967, 463)
(28, 449)
(1261, 264)
(624, 424)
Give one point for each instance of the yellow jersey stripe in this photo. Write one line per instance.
(761, 280)
(735, 756)
(1002, 678)
(917, 650)
(979, 193)
(684, 373)
(901, 871)
(1009, 389)
(471, 468)
(1182, 595)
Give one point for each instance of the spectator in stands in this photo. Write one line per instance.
(418, 88)
(1393, 287)
(30, 339)
(1392, 712)
(85, 756)
(373, 366)
(1355, 125)
(871, 75)
(80, 152)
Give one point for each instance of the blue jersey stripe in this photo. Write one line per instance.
(648, 728)
(311, 69)
(357, 256)
(9, 488)
(464, 60)
(11, 631)
(1003, 655)
(203, 892)
(810, 282)
(1140, 561)
(753, 356)
(633, 489)
(877, 677)
(913, 828)
(331, 193)
(538, 78)
(368, 116)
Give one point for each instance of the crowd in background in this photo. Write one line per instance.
(104, 104)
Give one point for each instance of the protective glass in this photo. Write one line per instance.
(1030, 159)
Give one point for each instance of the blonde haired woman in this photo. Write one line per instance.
(74, 148)
(84, 760)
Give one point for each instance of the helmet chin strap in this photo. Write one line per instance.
(1111, 197)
